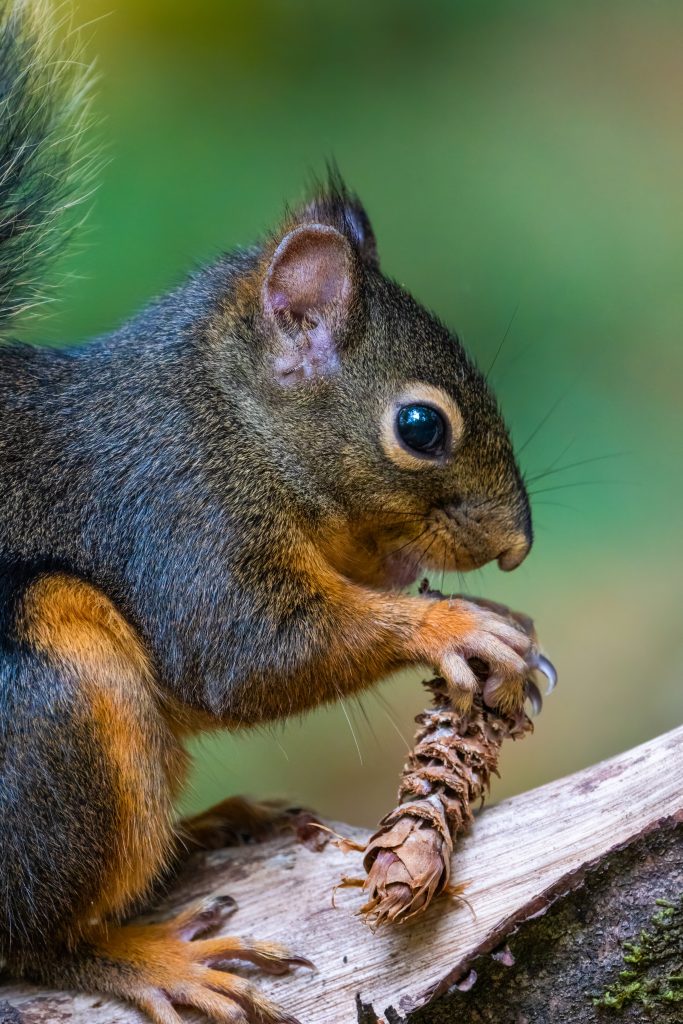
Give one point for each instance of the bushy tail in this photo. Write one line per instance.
(43, 112)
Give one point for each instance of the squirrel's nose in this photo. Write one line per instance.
(515, 554)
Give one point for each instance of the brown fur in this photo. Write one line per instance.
(75, 625)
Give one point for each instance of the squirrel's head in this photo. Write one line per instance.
(374, 410)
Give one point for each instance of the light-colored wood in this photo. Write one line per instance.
(520, 855)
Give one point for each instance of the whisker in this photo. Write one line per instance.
(559, 504)
(558, 457)
(398, 523)
(467, 549)
(413, 540)
(429, 548)
(574, 465)
(583, 483)
(346, 716)
(504, 339)
(547, 416)
(431, 529)
(281, 747)
(358, 701)
(385, 707)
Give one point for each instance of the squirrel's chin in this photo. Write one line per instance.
(400, 572)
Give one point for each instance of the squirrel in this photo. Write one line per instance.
(208, 519)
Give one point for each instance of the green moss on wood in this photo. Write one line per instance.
(653, 975)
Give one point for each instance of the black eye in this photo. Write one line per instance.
(421, 428)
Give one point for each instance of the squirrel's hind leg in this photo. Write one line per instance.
(85, 773)
(86, 820)
(159, 966)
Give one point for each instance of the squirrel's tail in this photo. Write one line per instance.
(43, 111)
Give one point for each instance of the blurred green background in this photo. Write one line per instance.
(522, 165)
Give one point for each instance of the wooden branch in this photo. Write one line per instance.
(561, 874)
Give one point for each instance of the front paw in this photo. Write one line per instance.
(473, 646)
(537, 663)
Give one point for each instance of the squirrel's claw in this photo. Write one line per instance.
(539, 663)
(533, 695)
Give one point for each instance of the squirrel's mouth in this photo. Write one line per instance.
(390, 554)
(434, 547)
(451, 540)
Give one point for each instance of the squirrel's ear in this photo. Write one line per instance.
(306, 295)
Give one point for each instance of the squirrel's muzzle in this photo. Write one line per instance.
(515, 554)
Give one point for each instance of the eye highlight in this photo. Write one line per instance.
(421, 428)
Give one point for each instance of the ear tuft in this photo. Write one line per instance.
(334, 204)
(307, 291)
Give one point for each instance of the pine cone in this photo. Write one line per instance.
(408, 859)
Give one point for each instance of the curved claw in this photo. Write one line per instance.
(544, 665)
(301, 961)
(533, 695)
